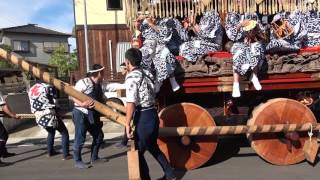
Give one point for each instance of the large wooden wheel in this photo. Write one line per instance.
(187, 152)
(280, 148)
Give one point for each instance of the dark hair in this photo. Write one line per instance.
(134, 56)
(94, 67)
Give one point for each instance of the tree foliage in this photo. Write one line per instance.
(4, 64)
(65, 62)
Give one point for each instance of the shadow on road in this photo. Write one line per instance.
(228, 148)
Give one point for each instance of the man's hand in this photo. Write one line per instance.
(129, 131)
(88, 104)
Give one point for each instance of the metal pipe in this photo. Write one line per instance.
(86, 35)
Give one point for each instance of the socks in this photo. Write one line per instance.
(236, 90)
(175, 86)
(255, 81)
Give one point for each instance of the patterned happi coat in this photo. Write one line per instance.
(208, 39)
(158, 47)
(245, 56)
(312, 24)
(295, 40)
(42, 99)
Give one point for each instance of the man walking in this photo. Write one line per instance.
(141, 89)
(85, 118)
(42, 98)
(4, 110)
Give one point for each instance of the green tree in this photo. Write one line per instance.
(65, 62)
(4, 63)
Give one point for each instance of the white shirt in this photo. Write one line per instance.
(141, 88)
(85, 86)
(2, 101)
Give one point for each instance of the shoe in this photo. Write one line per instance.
(172, 177)
(53, 153)
(81, 165)
(99, 161)
(4, 164)
(7, 154)
(174, 85)
(69, 156)
(120, 145)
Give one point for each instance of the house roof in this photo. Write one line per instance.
(33, 29)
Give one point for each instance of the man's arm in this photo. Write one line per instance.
(85, 104)
(8, 111)
(129, 115)
(80, 86)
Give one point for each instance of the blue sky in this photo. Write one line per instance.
(53, 14)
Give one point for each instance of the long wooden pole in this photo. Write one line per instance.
(62, 86)
(220, 130)
(240, 129)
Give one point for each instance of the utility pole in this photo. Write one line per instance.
(86, 35)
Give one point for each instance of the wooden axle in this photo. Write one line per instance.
(62, 86)
(185, 132)
(240, 129)
(32, 116)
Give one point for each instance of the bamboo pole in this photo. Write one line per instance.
(160, 9)
(265, 7)
(225, 6)
(62, 86)
(236, 6)
(152, 9)
(269, 7)
(181, 9)
(192, 8)
(156, 10)
(167, 10)
(185, 14)
(189, 9)
(215, 6)
(247, 5)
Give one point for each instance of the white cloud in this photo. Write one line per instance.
(21, 12)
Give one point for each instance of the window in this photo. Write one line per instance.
(121, 47)
(114, 4)
(21, 46)
(51, 46)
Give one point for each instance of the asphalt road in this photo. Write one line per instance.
(230, 162)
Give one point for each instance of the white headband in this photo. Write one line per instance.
(96, 70)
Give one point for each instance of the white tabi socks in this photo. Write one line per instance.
(236, 90)
(255, 81)
(175, 86)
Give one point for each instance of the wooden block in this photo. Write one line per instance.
(133, 162)
(310, 150)
(121, 93)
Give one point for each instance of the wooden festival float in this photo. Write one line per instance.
(280, 128)
(275, 120)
